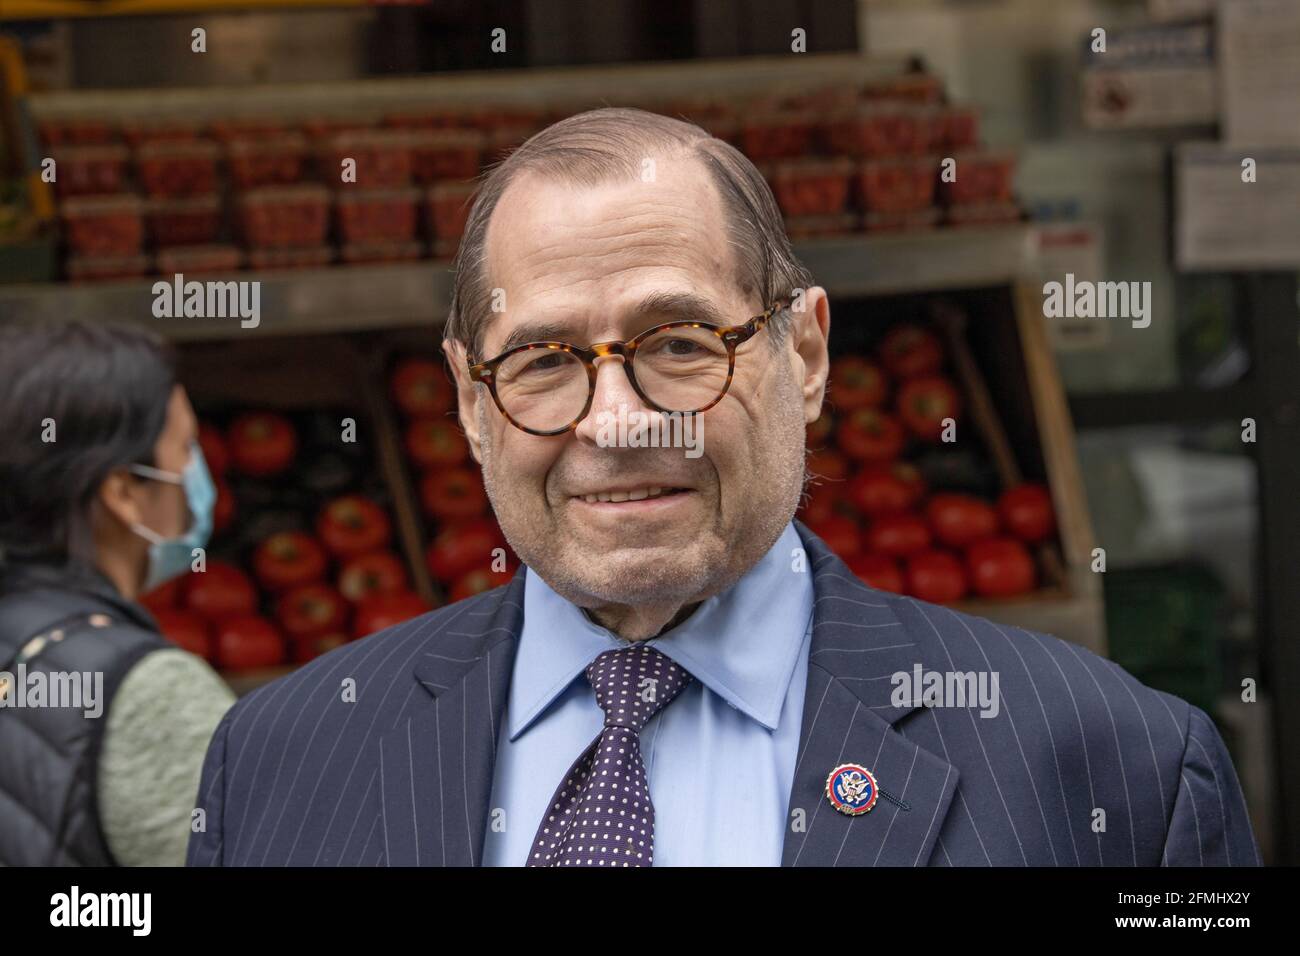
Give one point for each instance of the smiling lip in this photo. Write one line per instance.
(627, 493)
(634, 500)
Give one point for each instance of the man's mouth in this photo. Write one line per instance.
(614, 496)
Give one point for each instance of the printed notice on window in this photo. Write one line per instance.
(1259, 54)
(1237, 207)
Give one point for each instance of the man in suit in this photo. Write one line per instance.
(681, 673)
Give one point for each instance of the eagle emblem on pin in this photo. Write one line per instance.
(851, 789)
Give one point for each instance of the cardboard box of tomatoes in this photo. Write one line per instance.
(905, 487)
(303, 556)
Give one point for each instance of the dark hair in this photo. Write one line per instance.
(107, 388)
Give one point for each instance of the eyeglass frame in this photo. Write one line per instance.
(731, 336)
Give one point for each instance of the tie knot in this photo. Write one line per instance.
(634, 683)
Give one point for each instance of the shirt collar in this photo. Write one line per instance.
(742, 644)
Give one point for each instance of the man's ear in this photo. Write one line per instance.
(809, 334)
(467, 394)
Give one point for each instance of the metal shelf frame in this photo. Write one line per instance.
(359, 298)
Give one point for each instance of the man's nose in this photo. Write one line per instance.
(613, 389)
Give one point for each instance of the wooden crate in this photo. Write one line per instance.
(385, 351)
(1014, 427)
(297, 374)
(1032, 405)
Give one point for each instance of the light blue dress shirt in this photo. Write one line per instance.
(720, 758)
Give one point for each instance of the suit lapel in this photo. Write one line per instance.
(436, 767)
(860, 638)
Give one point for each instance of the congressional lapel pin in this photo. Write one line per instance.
(852, 789)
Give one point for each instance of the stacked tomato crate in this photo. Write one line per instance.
(129, 192)
(273, 193)
(196, 197)
(912, 481)
(885, 156)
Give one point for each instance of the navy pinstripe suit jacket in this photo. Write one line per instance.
(298, 775)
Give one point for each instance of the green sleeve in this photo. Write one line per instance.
(159, 724)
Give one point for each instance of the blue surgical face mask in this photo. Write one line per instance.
(171, 557)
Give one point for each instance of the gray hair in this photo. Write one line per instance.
(592, 148)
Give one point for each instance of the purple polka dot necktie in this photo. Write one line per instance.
(601, 813)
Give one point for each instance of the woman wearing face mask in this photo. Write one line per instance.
(103, 495)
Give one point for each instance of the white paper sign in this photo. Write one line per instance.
(1227, 223)
(1259, 55)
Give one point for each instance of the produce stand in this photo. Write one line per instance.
(329, 335)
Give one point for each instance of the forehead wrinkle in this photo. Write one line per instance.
(678, 226)
(648, 310)
(694, 243)
(631, 231)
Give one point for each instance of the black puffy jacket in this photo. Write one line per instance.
(49, 756)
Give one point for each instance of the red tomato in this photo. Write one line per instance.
(886, 489)
(841, 535)
(262, 443)
(898, 535)
(384, 610)
(909, 350)
(828, 464)
(869, 434)
(879, 571)
(936, 576)
(219, 592)
(289, 559)
(822, 502)
(247, 641)
(1026, 510)
(435, 442)
(311, 609)
(304, 649)
(856, 383)
(1000, 567)
(819, 431)
(223, 510)
(379, 572)
(957, 520)
(480, 580)
(185, 629)
(421, 387)
(214, 449)
(353, 525)
(165, 596)
(924, 402)
(453, 494)
(462, 547)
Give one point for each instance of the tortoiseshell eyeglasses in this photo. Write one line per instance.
(546, 388)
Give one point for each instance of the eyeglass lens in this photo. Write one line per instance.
(680, 369)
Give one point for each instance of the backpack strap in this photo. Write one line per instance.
(60, 630)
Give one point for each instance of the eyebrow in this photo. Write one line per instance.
(659, 306)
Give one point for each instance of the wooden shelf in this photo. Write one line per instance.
(241, 682)
(57, 9)
(1078, 618)
(417, 294)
